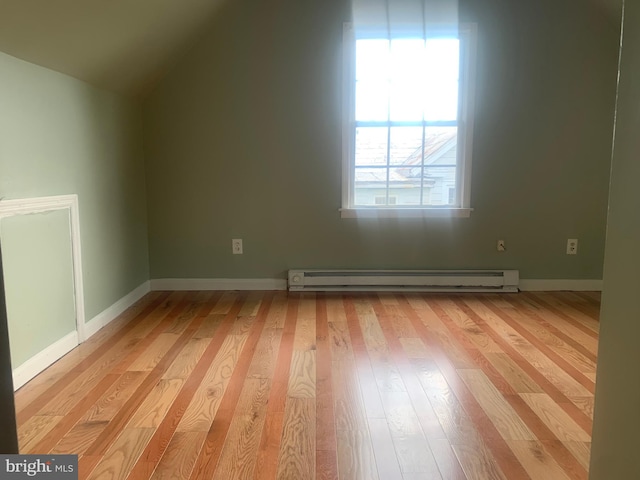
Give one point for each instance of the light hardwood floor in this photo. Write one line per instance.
(268, 385)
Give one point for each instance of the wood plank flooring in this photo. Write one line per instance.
(270, 385)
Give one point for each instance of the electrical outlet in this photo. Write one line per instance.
(236, 246)
(572, 246)
(501, 246)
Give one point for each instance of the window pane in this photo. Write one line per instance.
(372, 59)
(439, 182)
(382, 200)
(441, 85)
(407, 59)
(370, 186)
(401, 184)
(372, 82)
(407, 99)
(406, 146)
(407, 79)
(404, 186)
(440, 146)
(372, 100)
(371, 145)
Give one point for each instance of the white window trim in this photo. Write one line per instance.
(465, 130)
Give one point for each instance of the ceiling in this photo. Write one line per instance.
(120, 45)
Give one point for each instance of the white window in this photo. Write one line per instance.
(408, 123)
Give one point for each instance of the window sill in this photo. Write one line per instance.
(405, 212)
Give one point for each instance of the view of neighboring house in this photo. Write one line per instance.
(395, 174)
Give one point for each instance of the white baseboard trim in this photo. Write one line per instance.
(527, 285)
(111, 313)
(55, 351)
(218, 284)
(43, 359)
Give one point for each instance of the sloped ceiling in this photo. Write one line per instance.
(120, 45)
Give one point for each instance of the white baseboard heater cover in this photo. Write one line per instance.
(404, 280)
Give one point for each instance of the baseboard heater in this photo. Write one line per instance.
(404, 280)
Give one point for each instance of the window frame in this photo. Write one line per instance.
(467, 33)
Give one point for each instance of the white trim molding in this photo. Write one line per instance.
(109, 314)
(57, 350)
(218, 284)
(43, 359)
(195, 284)
(529, 285)
(28, 206)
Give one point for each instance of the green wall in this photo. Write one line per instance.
(61, 136)
(614, 453)
(243, 140)
(38, 269)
